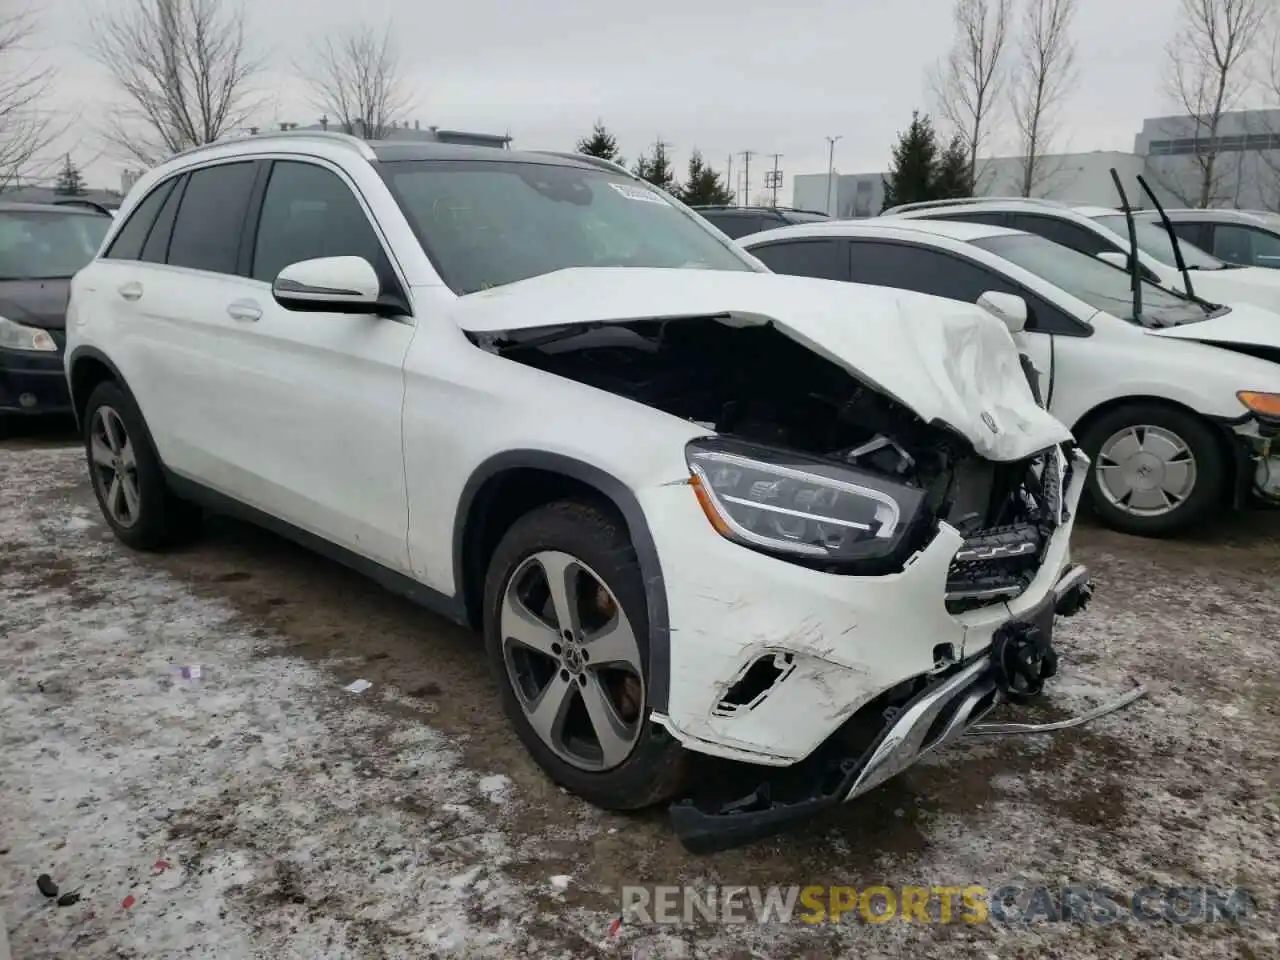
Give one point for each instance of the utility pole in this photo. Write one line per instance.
(831, 167)
(746, 156)
(775, 180)
(728, 180)
(660, 154)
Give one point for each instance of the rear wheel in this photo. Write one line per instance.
(1156, 471)
(127, 479)
(566, 627)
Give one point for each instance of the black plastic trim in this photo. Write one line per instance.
(433, 600)
(90, 353)
(627, 504)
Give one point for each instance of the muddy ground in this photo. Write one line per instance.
(262, 810)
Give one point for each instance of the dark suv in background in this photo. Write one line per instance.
(41, 247)
(740, 221)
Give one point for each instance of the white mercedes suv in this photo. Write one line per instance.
(695, 507)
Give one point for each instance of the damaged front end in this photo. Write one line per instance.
(808, 463)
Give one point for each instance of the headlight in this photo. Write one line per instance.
(1263, 404)
(786, 503)
(15, 336)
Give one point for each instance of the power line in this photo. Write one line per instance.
(773, 179)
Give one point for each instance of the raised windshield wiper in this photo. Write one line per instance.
(1173, 239)
(1135, 280)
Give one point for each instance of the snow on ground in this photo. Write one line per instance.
(260, 809)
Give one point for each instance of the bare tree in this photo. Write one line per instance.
(358, 79)
(1045, 70)
(1209, 59)
(26, 126)
(968, 84)
(1270, 82)
(183, 70)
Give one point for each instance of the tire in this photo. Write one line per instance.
(1159, 430)
(595, 548)
(156, 517)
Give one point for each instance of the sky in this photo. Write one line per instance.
(723, 76)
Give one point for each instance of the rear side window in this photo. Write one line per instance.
(1062, 232)
(128, 243)
(823, 259)
(309, 212)
(157, 245)
(210, 223)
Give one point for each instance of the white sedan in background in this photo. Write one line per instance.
(1102, 232)
(1177, 403)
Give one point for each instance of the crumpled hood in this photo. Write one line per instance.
(1245, 325)
(1247, 285)
(946, 361)
(35, 303)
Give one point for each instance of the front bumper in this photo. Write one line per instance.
(1257, 462)
(946, 709)
(33, 382)
(768, 659)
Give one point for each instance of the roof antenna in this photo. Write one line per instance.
(1173, 239)
(1135, 279)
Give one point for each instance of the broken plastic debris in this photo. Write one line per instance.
(358, 686)
(193, 674)
(615, 926)
(561, 881)
(46, 885)
(128, 901)
(68, 898)
(160, 866)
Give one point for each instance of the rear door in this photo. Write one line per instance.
(311, 410)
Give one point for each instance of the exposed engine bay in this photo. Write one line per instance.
(756, 384)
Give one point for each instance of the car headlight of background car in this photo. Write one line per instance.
(16, 336)
(801, 508)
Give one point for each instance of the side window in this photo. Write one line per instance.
(210, 222)
(309, 212)
(946, 275)
(157, 245)
(1234, 244)
(128, 243)
(1062, 232)
(824, 259)
(1196, 234)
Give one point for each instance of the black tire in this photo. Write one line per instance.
(655, 769)
(162, 518)
(1207, 496)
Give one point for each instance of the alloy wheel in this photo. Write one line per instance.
(1146, 471)
(573, 660)
(114, 466)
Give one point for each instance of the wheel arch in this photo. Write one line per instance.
(510, 484)
(88, 367)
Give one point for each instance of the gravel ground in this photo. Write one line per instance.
(261, 809)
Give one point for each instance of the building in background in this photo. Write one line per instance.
(420, 134)
(1166, 153)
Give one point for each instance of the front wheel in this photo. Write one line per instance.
(567, 632)
(1157, 470)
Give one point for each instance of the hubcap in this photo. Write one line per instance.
(114, 469)
(1146, 471)
(573, 660)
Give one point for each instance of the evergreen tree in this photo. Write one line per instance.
(656, 168)
(601, 143)
(702, 187)
(70, 182)
(915, 160)
(953, 178)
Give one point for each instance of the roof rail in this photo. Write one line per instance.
(600, 162)
(961, 201)
(81, 202)
(327, 136)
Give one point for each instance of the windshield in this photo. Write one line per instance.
(488, 223)
(1094, 281)
(1153, 240)
(48, 244)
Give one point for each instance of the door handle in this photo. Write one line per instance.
(131, 290)
(245, 310)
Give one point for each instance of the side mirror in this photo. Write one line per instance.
(1120, 260)
(329, 285)
(1010, 309)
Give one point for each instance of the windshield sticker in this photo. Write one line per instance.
(638, 193)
